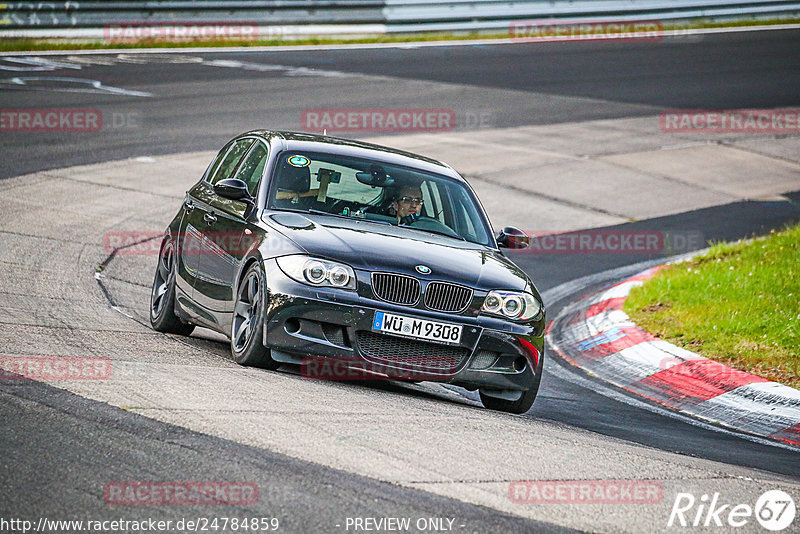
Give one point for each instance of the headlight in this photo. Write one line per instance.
(512, 305)
(493, 303)
(340, 276)
(317, 272)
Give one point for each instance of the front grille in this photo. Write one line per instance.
(396, 288)
(441, 296)
(418, 356)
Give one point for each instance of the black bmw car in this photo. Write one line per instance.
(305, 249)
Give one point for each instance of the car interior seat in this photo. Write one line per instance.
(294, 180)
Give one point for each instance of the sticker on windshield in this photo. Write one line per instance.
(298, 161)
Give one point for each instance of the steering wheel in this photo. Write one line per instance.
(423, 222)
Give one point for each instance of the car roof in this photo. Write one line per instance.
(300, 142)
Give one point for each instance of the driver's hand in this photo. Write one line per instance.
(408, 219)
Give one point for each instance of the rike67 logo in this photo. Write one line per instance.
(774, 510)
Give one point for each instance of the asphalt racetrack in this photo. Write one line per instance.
(201, 100)
(322, 454)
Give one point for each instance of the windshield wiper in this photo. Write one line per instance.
(320, 212)
(341, 215)
(438, 232)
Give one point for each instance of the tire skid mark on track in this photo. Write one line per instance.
(290, 488)
(551, 198)
(381, 432)
(101, 267)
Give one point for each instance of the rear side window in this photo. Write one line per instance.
(231, 160)
(217, 160)
(252, 168)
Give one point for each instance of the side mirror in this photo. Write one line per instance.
(510, 237)
(233, 189)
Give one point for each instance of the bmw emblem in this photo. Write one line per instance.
(423, 269)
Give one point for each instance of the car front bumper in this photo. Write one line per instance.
(329, 332)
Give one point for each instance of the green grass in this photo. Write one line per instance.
(18, 45)
(738, 304)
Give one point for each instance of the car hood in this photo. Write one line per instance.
(370, 246)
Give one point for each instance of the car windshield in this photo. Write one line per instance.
(360, 188)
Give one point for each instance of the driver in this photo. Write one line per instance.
(407, 204)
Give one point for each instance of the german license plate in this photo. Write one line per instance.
(419, 328)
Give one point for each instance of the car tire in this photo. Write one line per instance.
(162, 295)
(519, 406)
(247, 325)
